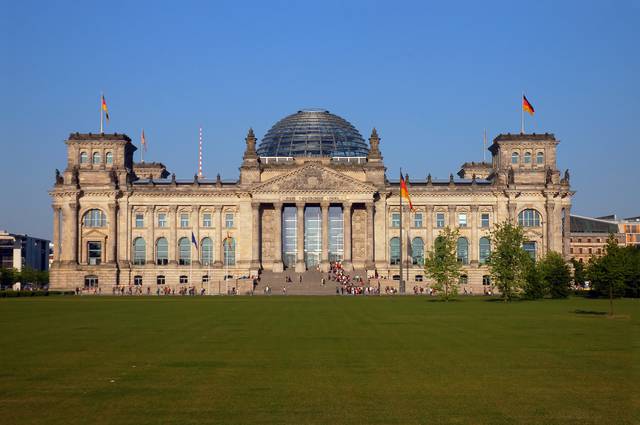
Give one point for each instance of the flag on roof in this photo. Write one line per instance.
(526, 106)
(404, 192)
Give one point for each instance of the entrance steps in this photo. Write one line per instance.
(311, 283)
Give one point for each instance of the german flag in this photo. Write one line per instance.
(404, 192)
(526, 106)
(104, 108)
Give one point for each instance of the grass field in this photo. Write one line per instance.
(322, 360)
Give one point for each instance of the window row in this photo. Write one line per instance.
(440, 222)
(96, 158)
(527, 158)
(205, 251)
(91, 281)
(184, 220)
(417, 250)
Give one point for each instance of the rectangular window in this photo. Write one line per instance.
(139, 220)
(228, 220)
(160, 280)
(184, 220)
(462, 220)
(206, 220)
(94, 253)
(484, 220)
(417, 220)
(162, 220)
(440, 220)
(530, 247)
(395, 219)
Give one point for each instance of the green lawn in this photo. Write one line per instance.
(321, 360)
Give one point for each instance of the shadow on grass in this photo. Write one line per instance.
(590, 312)
(439, 300)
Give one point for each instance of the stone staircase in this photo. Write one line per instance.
(311, 283)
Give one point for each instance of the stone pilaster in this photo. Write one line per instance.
(277, 238)
(474, 244)
(255, 240)
(452, 217)
(346, 215)
(195, 225)
(173, 235)
(112, 245)
(324, 264)
(218, 252)
(300, 265)
(549, 226)
(150, 256)
(370, 242)
(70, 233)
(429, 223)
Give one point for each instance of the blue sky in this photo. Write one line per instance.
(429, 75)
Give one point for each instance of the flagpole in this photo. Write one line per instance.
(101, 97)
(401, 237)
(522, 114)
(142, 148)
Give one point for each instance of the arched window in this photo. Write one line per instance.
(84, 157)
(394, 251)
(527, 157)
(515, 158)
(96, 158)
(162, 252)
(108, 158)
(464, 279)
(540, 158)
(529, 218)
(485, 249)
(229, 251)
(463, 250)
(184, 250)
(417, 251)
(94, 218)
(139, 251)
(206, 251)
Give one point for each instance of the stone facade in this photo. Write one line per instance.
(115, 227)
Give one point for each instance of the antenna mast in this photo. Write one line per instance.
(200, 154)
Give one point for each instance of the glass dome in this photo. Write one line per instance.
(313, 132)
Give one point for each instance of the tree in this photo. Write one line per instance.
(508, 261)
(578, 272)
(8, 277)
(442, 264)
(534, 287)
(607, 273)
(556, 275)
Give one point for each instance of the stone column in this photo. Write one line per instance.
(112, 245)
(277, 238)
(474, 243)
(173, 235)
(300, 265)
(324, 265)
(346, 216)
(70, 229)
(218, 252)
(255, 240)
(370, 246)
(56, 233)
(151, 243)
(548, 244)
(564, 237)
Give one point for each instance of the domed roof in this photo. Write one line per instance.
(313, 132)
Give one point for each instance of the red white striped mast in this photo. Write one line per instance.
(200, 155)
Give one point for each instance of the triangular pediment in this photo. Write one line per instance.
(94, 233)
(315, 178)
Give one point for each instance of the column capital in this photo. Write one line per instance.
(429, 208)
(277, 205)
(347, 204)
(369, 205)
(301, 204)
(325, 204)
(474, 208)
(73, 205)
(173, 208)
(255, 204)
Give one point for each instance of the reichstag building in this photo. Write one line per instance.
(311, 192)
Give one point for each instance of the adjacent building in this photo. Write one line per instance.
(23, 251)
(313, 191)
